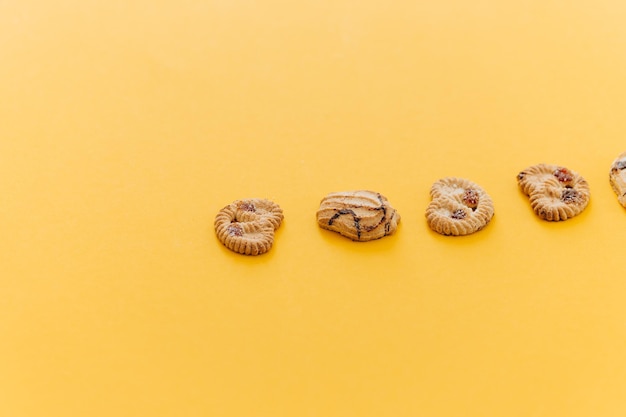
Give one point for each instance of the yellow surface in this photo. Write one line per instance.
(126, 125)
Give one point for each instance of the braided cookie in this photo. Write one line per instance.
(358, 215)
(458, 207)
(617, 177)
(555, 192)
(247, 226)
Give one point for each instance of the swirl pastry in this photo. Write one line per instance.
(358, 215)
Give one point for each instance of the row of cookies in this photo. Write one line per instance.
(458, 207)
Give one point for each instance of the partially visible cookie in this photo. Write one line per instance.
(556, 193)
(358, 215)
(458, 207)
(617, 177)
(247, 226)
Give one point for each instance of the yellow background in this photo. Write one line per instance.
(126, 125)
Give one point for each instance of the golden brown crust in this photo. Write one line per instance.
(458, 207)
(556, 193)
(617, 178)
(358, 215)
(247, 226)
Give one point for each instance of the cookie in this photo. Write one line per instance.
(458, 207)
(556, 193)
(358, 215)
(617, 178)
(247, 226)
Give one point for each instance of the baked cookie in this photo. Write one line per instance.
(617, 177)
(458, 207)
(556, 193)
(358, 215)
(247, 226)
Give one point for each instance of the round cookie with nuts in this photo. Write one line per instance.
(556, 193)
(458, 207)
